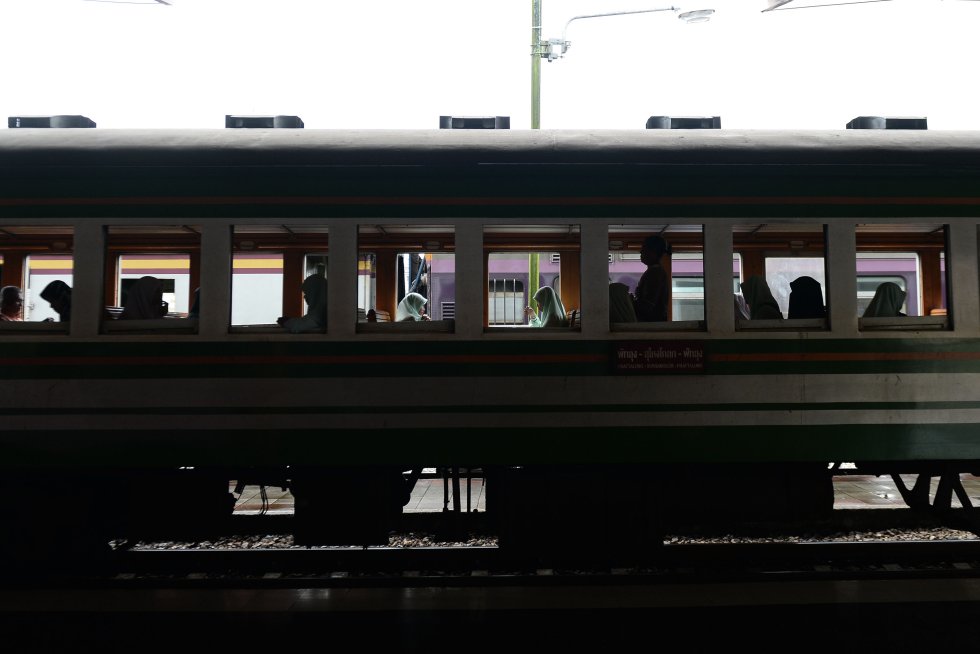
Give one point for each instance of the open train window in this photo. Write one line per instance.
(151, 272)
(784, 276)
(34, 258)
(533, 277)
(901, 276)
(681, 302)
(279, 278)
(406, 278)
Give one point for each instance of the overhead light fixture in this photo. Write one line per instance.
(697, 16)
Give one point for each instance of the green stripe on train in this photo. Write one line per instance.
(405, 446)
(174, 359)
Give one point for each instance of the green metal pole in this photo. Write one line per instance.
(536, 64)
(533, 263)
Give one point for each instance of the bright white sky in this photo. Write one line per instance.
(401, 64)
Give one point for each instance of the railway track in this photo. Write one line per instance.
(489, 566)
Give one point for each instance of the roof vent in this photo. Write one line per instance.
(474, 122)
(881, 122)
(684, 122)
(263, 122)
(49, 121)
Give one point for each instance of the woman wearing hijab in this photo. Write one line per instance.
(621, 307)
(806, 299)
(551, 311)
(315, 293)
(411, 308)
(887, 302)
(58, 295)
(762, 305)
(144, 300)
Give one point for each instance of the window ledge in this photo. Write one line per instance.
(904, 323)
(796, 325)
(158, 325)
(30, 327)
(669, 326)
(410, 327)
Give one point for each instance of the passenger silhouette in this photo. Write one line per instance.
(741, 308)
(11, 304)
(195, 311)
(887, 302)
(144, 300)
(806, 299)
(762, 305)
(58, 295)
(551, 312)
(621, 308)
(653, 289)
(411, 308)
(315, 293)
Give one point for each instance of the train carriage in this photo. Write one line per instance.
(638, 409)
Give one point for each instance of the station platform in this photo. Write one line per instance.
(851, 491)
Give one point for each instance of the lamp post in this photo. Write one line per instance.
(553, 49)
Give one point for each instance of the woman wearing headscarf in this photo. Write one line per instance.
(621, 307)
(551, 312)
(58, 295)
(806, 299)
(887, 302)
(315, 293)
(411, 308)
(144, 300)
(762, 305)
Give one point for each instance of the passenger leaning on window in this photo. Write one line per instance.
(653, 289)
(551, 312)
(315, 293)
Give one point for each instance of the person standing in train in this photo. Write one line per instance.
(653, 289)
(315, 293)
(58, 295)
(11, 304)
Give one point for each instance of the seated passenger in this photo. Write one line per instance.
(762, 305)
(195, 311)
(144, 300)
(315, 293)
(806, 299)
(58, 295)
(887, 302)
(411, 308)
(621, 307)
(11, 304)
(653, 289)
(372, 315)
(741, 308)
(551, 310)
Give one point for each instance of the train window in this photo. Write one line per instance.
(150, 276)
(901, 276)
(32, 258)
(523, 261)
(406, 278)
(256, 288)
(784, 276)
(683, 304)
(278, 281)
